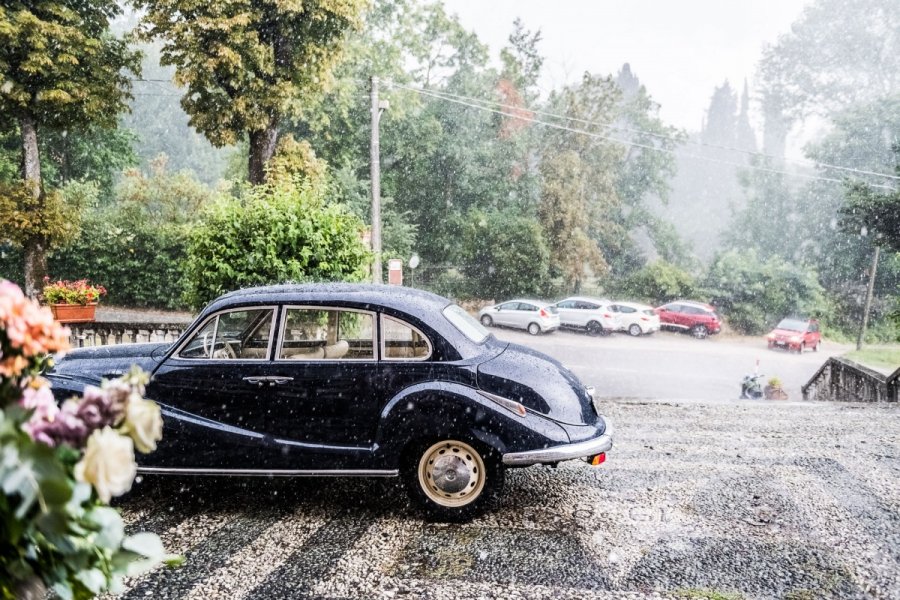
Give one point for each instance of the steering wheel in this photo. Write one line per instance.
(206, 345)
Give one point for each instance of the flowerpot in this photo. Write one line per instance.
(74, 313)
(774, 393)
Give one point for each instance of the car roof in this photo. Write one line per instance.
(527, 300)
(401, 298)
(587, 299)
(633, 304)
(702, 305)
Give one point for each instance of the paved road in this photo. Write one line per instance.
(672, 365)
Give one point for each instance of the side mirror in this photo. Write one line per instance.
(497, 308)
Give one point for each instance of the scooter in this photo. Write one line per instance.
(751, 389)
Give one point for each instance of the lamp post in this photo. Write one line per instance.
(413, 263)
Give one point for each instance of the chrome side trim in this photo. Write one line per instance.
(559, 453)
(270, 472)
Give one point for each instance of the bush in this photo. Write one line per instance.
(658, 283)
(753, 294)
(139, 264)
(276, 233)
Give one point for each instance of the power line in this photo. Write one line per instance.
(465, 100)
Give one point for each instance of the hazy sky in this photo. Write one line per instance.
(680, 49)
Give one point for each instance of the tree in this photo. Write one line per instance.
(277, 233)
(60, 68)
(754, 294)
(246, 63)
(874, 213)
(504, 255)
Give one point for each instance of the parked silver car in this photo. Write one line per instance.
(534, 316)
(588, 314)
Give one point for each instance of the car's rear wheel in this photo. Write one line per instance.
(534, 328)
(453, 480)
(594, 328)
(816, 347)
(699, 331)
(634, 329)
(486, 320)
(801, 348)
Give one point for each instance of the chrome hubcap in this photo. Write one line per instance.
(451, 473)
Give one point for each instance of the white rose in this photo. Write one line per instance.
(143, 421)
(108, 463)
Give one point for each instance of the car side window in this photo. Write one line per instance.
(401, 341)
(589, 306)
(509, 306)
(233, 335)
(200, 345)
(626, 309)
(567, 304)
(310, 333)
(613, 308)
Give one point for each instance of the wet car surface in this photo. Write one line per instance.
(354, 380)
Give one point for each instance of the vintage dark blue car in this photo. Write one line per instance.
(353, 380)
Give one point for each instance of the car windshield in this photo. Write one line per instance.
(792, 325)
(466, 323)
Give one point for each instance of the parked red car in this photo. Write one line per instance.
(696, 318)
(796, 335)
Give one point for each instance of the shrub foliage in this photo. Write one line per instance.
(276, 233)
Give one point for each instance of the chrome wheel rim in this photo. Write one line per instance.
(635, 330)
(451, 473)
(534, 329)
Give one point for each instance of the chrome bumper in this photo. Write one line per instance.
(559, 453)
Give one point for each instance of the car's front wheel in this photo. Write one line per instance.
(486, 320)
(453, 480)
(534, 329)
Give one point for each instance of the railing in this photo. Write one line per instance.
(843, 380)
(103, 334)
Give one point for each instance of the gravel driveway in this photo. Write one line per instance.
(697, 500)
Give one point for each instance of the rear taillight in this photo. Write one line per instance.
(607, 316)
(544, 314)
(645, 318)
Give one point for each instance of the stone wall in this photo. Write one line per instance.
(843, 380)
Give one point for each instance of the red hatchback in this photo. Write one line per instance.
(696, 318)
(795, 334)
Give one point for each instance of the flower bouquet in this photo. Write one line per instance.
(72, 301)
(61, 465)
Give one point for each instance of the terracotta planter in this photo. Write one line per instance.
(774, 393)
(74, 313)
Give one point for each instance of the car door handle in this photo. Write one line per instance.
(268, 379)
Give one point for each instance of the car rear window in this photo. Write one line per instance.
(466, 323)
(648, 311)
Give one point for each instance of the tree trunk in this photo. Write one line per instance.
(262, 147)
(35, 246)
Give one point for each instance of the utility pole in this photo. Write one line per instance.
(375, 166)
(865, 321)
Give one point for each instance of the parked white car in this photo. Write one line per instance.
(588, 314)
(534, 316)
(636, 319)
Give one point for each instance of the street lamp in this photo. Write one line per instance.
(413, 263)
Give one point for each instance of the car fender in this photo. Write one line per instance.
(435, 410)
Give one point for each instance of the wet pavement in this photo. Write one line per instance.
(697, 500)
